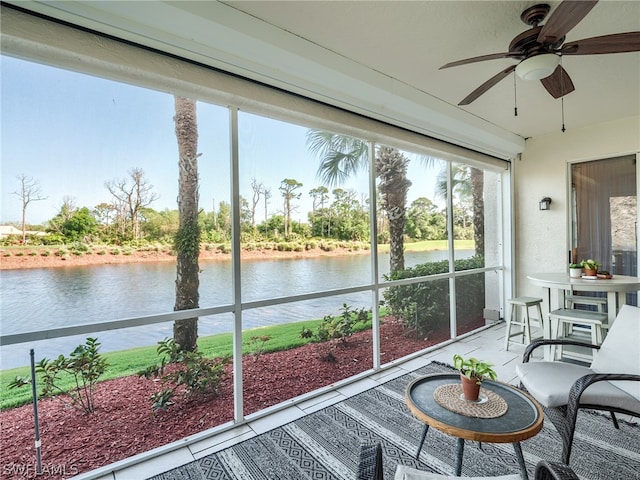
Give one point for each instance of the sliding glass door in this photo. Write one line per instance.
(604, 214)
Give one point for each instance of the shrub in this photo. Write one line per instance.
(19, 253)
(114, 251)
(258, 344)
(79, 247)
(191, 372)
(45, 253)
(424, 306)
(84, 364)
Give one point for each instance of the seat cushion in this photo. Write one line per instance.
(408, 473)
(549, 383)
(620, 351)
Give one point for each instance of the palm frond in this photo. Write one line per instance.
(340, 156)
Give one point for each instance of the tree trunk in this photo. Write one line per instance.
(185, 332)
(391, 168)
(477, 186)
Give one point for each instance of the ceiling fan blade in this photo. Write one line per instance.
(482, 58)
(558, 84)
(487, 85)
(568, 14)
(614, 43)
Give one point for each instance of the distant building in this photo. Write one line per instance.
(10, 230)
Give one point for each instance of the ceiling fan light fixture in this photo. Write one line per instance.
(538, 66)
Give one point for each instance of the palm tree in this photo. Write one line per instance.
(468, 185)
(187, 243)
(342, 156)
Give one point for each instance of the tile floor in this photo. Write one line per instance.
(487, 344)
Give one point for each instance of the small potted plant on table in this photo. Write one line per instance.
(472, 373)
(575, 270)
(590, 267)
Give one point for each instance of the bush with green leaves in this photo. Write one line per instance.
(258, 344)
(338, 328)
(424, 306)
(84, 364)
(341, 326)
(179, 370)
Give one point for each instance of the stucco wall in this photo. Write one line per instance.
(542, 243)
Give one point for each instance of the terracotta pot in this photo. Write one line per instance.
(590, 273)
(470, 388)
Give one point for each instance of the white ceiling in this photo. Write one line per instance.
(381, 56)
(409, 41)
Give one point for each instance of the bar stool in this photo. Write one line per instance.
(524, 322)
(569, 318)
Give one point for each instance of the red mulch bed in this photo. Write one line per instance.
(124, 424)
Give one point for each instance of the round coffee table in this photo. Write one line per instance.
(523, 418)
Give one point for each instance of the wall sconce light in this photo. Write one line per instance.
(545, 203)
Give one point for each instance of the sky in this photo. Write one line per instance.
(72, 132)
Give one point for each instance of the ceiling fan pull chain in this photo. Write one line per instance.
(515, 96)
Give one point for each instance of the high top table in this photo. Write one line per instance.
(618, 286)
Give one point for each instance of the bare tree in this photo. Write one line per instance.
(133, 196)
(185, 332)
(258, 190)
(266, 195)
(28, 192)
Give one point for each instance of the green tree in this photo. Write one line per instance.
(319, 195)
(67, 209)
(424, 222)
(467, 186)
(289, 189)
(80, 225)
(342, 156)
(187, 243)
(160, 226)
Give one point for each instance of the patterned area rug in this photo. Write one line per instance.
(325, 445)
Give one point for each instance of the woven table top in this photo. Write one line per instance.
(490, 404)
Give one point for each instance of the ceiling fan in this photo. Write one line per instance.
(539, 49)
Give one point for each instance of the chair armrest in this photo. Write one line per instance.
(582, 383)
(370, 462)
(554, 471)
(540, 343)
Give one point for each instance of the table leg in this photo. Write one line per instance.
(520, 458)
(424, 435)
(459, 453)
(549, 351)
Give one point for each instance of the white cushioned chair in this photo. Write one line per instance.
(611, 383)
(370, 468)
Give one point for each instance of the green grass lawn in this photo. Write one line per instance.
(129, 362)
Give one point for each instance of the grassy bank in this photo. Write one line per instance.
(130, 362)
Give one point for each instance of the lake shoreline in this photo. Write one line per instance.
(27, 261)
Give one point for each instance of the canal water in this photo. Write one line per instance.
(41, 299)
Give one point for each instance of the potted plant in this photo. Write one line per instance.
(472, 373)
(575, 270)
(590, 267)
